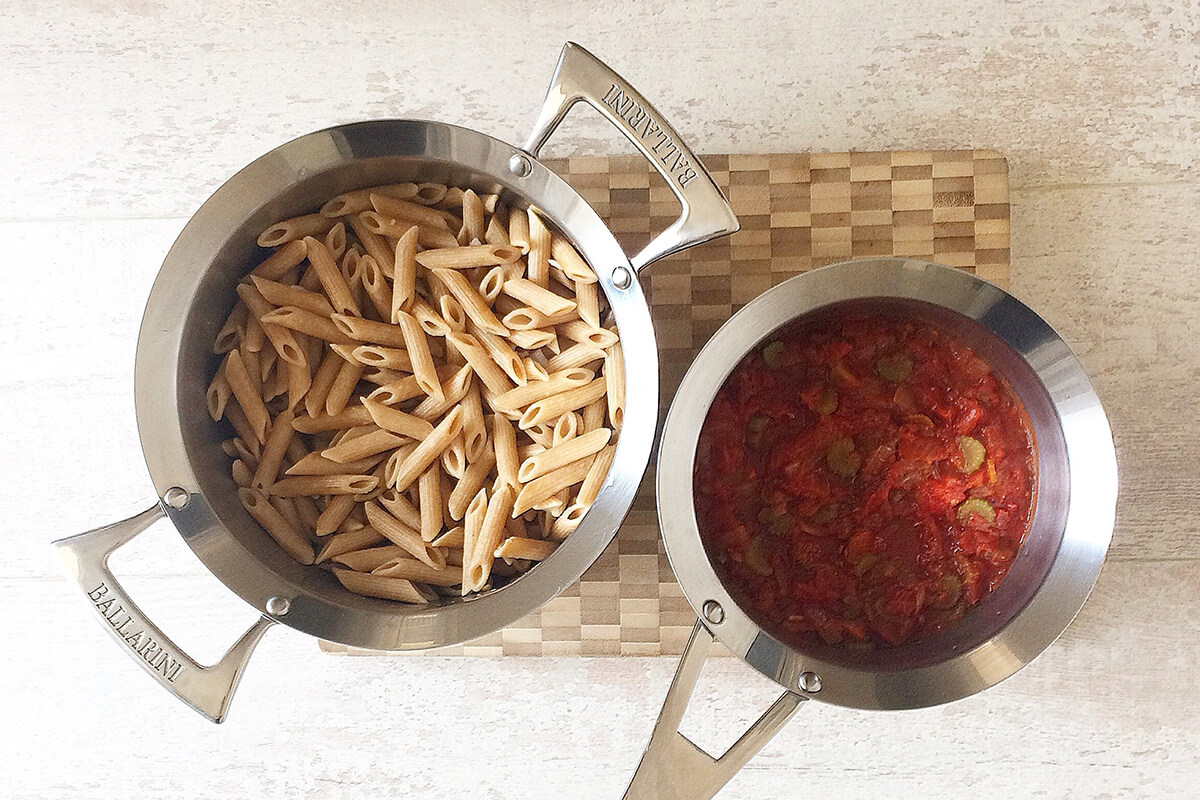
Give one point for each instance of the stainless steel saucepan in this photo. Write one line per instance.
(1048, 583)
(194, 292)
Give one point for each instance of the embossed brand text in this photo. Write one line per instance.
(658, 140)
(135, 635)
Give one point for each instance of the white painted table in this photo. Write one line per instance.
(117, 120)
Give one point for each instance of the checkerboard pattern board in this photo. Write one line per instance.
(797, 212)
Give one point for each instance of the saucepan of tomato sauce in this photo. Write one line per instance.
(883, 484)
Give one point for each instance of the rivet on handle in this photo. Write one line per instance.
(621, 278)
(278, 606)
(810, 682)
(519, 165)
(176, 498)
(713, 612)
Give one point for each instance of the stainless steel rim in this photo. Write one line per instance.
(1078, 532)
(168, 402)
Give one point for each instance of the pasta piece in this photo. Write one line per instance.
(593, 415)
(395, 392)
(273, 450)
(431, 323)
(217, 394)
(299, 379)
(472, 479)
(233, 331)
(404, 210)
(551, 483)
(376, 246)
(422, 361)
(413, 570)
(371, 558)
(557, 383)
(369, 331)
(518, 229)
(282, 531)
(306, 322)
(425, 453)
(360, 200)
(523, 548)
(472, 214)
(455, 388)
(542, 435)
(580, 354)
(317, 464)
(282, 261)
(398, 506)
(335, 513)
(397, 421)
(554, 406)
(534, 370)
(247, 394)
(588, 299)
(567, 427)
(429, 194)
(482, 255)
(342, 387)
(504, 442)
(452, 312)
(378, 441)
(537, 297)
(580, 331)
(381, 587)
(294, 228)
(532, 339)
(480, 362)
(614, 377)
(454, 458)
(318, 391)
(350, 417)
(349, 542)
(335, 240)
(570, 261)
(370, 355)
(451, 539)
(492, 284)
(502, 353)
(472, 527)
(563, 454)
(377, 289)
(589, 490)
(403, 536)
(474, 431)
(473, 304)
(404, 284)
(496, 232)
(324, 484)
(282, 339)
(491, 531)
(539, 251)
(525, 318)
(429, 487)
(286, 506)
(242, 476)
(253, 337)
(335, 284)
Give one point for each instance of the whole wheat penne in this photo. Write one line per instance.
(535, 370)
(539, 251)
(405, 210)
(492, 284)
(369, 331)
(554, 406)
(525, 548)
(390, 394)
(247, 442)
(375, 245)
(580, 331)
(378, 441)
(589, 490)
(452, 312)
(403, 536)
(454, 389)
(563, 454)
(431, 323)
(233, 331)
(533, 339)
(429, 487)
(472, 526)
(341, 543)
(491, 531)
(404, 283)
(567, 427)
(482, 255)
(418, 350)
(472, 302)
(399, 507)
(324, 484)
(242, 475)
(318, 391)
(273, 450)
(335, 513)
(306, 322)
(518, 229)
(397, 421)
(247, 394)
(282, 531)
(342, 387)
(558, 382)
(360, 199)
(504, 443)
(474, 431)
(480, 362)
(568, 520)
(276, 383)
(282, 339)
(538, 491)
(472, 479)
(299, 379)
(286, 506)
(454, 458)
(309, 281)
(593, 415)
(317, 464)
(451, 540)
(614, 377)
(306, 509)
(350, 417)
(412, 570)
(390, 358)
(381, 587)
(332, 279)
(502, 353)
(383, 377)
(570, 261)
(531, 294)
(497, 227)
(588, 298)
(282, 261)
(526, 318)
(377, 289)
(217, 394)
(579, 354)
(295, 228)
(280, 294)
(472, 215)
(335, 240)
(391, 228)
(425, 453)
(429, 194)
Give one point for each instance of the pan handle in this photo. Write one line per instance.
(581, 76)
(673, 767)
(206, 689)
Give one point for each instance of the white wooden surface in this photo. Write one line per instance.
(117, 119)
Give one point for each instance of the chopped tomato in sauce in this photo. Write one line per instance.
(863, 480)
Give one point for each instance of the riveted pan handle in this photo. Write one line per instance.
(673, 767)
(581, 76)
(206, 689)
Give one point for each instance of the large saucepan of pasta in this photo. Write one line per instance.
(397, 383)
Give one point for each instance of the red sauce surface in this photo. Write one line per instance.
(863, 480)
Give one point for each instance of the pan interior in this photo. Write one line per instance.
(1048, 514)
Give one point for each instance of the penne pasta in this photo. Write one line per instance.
(377, 289)
(369, 331)
(291, 540)
(381, 587)
(474, 431)
(589, 490)
(552, 483)
(588, 299)
(349, 542)
(523, 548)
(273, 451)
(531, 294)
(482, 255)
(323, 484)
(429, 487)
(455, 388)
(568, 258)
(403, 536)
(502, 353)
(350, 417)
(233, 331)
(335, 513)
(397, 421)
(404, 210)
(563, 454)
(431, 323)
(360, 199)
(334, 282)
(480, 362)
(242, 476)
(404, 283)
(472, 218)
(473, 477)
(496, 233)
(504, 443)
(532, 339)
(422, 361)
(317, 464)
(518, 229)
(375, 245)
(580, 331)
(539, 251)
(452, 313)
(413, 570)
(492, 284)
(425, 453)
(342, 387)
(396, 392)
(429, 194)
(557, 383)
(247, 394)
(360, 447)
(580, 354)
(306, 322)
(282, 261)
(279, 294)
(217, 394)
(614, 377)
(398, 506)
(472, 526)
(472, 302)
(295, 228)
(551, 408)
(491, 531)
(390, 358)
(451, 540)
(593, 415)
(567, 427)
(335, 240)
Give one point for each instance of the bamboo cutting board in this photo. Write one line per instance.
(797, 212)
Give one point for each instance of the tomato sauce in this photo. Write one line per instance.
(863, 480)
